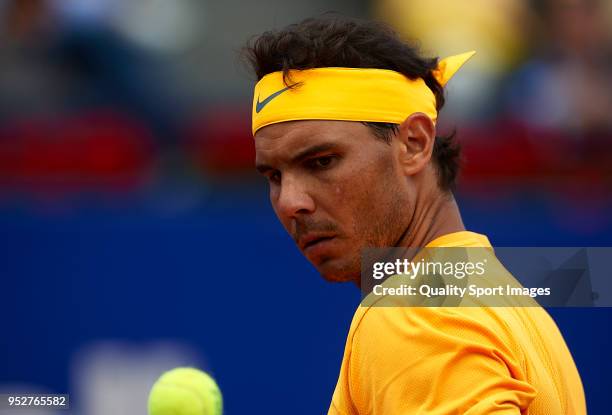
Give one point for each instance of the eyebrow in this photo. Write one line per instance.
(263, 168)
(311, 151)
(301, 156)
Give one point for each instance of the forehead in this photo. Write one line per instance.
(286, 138)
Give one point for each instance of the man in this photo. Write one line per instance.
(344, 124)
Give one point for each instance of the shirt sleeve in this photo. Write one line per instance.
(436, 361)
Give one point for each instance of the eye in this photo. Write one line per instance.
(322, 162)
(274, 177)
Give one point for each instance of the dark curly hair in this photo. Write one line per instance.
(337, 41)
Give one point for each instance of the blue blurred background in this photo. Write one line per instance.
(135, 235)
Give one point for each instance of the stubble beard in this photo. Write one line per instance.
(384, 231)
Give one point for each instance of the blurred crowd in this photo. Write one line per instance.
(537, 98)
(110, 95)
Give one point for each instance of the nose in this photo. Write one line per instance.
(293, 199)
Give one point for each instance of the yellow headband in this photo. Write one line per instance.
(348, 94)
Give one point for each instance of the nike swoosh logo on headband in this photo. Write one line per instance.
(260, 105)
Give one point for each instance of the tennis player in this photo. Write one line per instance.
(344, 122)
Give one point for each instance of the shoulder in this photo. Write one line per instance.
(430, 330)
(437, 354)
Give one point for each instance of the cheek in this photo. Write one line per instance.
(350, 202)
(339, 195)
(380, 207)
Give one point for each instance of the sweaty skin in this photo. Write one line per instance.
(337, 189)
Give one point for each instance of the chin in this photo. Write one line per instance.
(336, 270)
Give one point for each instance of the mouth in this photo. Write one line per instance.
(309, 242)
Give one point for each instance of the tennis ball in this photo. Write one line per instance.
(185, 391)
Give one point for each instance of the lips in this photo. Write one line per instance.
(311, 240)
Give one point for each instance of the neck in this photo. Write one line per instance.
(432, 218)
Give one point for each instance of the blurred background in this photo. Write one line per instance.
(135, 235)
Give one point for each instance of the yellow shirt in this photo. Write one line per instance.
(456, 360)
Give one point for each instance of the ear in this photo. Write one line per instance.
(416, 136)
